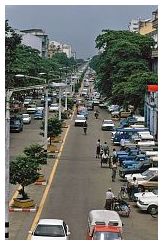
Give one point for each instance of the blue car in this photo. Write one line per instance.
(130, 156)
(39, 114)
(137, 160)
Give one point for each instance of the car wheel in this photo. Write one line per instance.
(152, 209)
(141, 188)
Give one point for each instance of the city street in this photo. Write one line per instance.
(79, 185)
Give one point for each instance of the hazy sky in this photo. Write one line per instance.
(76, 25)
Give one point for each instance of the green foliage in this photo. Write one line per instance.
(36, 152)
(54, 127)
(123, 67)
(23, 171)
(11, 41)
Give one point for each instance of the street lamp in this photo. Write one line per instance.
(60, 86)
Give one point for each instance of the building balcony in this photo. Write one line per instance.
(154, 53)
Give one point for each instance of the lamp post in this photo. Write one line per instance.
(60, 86)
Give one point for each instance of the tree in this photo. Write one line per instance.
(12, 40)
(23, 171)
(123, 66)
(36, 152)
(54, 127)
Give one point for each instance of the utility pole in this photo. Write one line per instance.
(7, 161)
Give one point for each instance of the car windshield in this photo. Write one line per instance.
(15, 122)
(49, 230)
(107, 236)
(108, 121)
(149, 175)
(25, 116)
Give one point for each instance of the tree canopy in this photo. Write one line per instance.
(123, 66)
(22, 59)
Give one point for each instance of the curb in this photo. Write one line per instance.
(12, 209)
(41, 182)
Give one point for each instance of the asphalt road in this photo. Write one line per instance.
(79, 184)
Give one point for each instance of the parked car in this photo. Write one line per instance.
(50, 229)
(107, 125)
(39, 114)
(53, 107)
(138, 195)
(148, 203)
(129, 156)
(135, 161)
(80, 120)
(140, 176)
(26, 118)
(140, 168)
(16, 124)
(148, 182)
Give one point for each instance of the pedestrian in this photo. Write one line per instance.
(98, 148)
(109, 199)
(114, 168)
(105, 148)
(134, 187)
(104, 158)
(85, 126)
(114, 153)
(122, 143)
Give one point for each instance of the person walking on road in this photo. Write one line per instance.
(114, 169)
(98, 148)
(109, 200)
(105, 148)
(85, 126)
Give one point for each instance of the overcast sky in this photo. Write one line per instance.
(76, 25)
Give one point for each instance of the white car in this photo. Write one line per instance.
(138, 195)
(80, 120)
(54, 107)
(31, 108)
(107, 125)
(50, 229)
(27, 101)
(26, 118)
(148, 203)
(140, 176)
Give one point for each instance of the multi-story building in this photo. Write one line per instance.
(154, 35)
(134, 26)
(151, 109)
(39, 33)
(30, 40)
(57, 47)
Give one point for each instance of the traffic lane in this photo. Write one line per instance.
(79, 184)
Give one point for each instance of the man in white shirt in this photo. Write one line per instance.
(109, 199)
